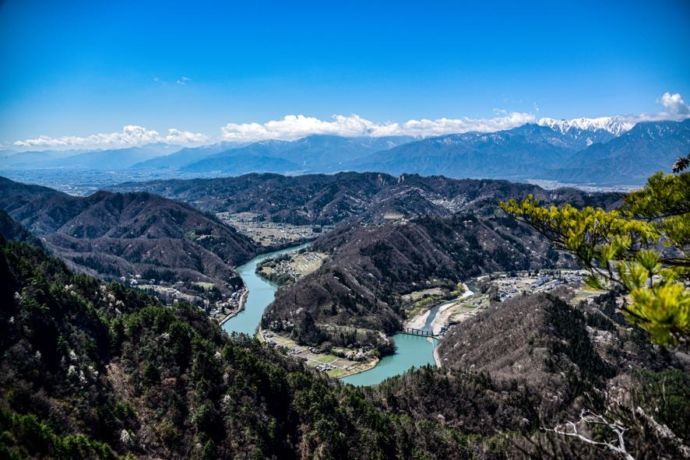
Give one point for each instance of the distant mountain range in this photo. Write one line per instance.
(612, 125)
(511, 154)
(565, 154)
(629, 158)
(185, 156)
(110, 159)
(310, 154)
(606, 151)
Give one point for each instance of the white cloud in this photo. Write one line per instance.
(295, 126)
(674, 104)
(130, 136)
(292, 127)
(183, 80)
(179, 137)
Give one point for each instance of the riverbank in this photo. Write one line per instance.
(451, 310)
(438, 317)
(418, 321)
(333, 365)
(259, 293)
(437, 358)
(443, 315)
(410, 351)
(240, 307)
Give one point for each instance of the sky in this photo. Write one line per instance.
(79, 73)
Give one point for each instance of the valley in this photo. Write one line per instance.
(396, 261)
(270, 235)
(442, 232)
(344, 230)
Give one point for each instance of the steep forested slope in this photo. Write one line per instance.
(534, 363)
(11, 230)
(89, 370)
(95, 370)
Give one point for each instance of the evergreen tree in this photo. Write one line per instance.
(641, 249)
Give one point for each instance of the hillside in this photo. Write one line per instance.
(330, 199)
(534, 363)
(139, 238)
(549, 344)
(11, 230)
(370, 268)
(89, 370)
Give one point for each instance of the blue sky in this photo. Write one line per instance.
(83, 67)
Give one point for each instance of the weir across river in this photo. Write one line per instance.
(418, 332)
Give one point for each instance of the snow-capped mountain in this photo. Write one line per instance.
(614, 125)
(575, 153)
(629, 158)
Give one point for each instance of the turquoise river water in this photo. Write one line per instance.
(411, 351)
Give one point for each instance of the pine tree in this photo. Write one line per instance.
(641, 249)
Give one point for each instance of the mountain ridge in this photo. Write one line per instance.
(134, 236)
(548, 149)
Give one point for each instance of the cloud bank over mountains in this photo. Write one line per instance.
(292, 127)
(130, 136)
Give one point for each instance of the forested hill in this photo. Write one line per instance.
(132, 235)
(539, 362)
(11, 230)
(89, 370)
(330, 199)
(370, 268)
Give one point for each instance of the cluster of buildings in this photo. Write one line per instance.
(511, 285)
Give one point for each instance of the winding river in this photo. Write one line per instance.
(411, 351)
(261, 294)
